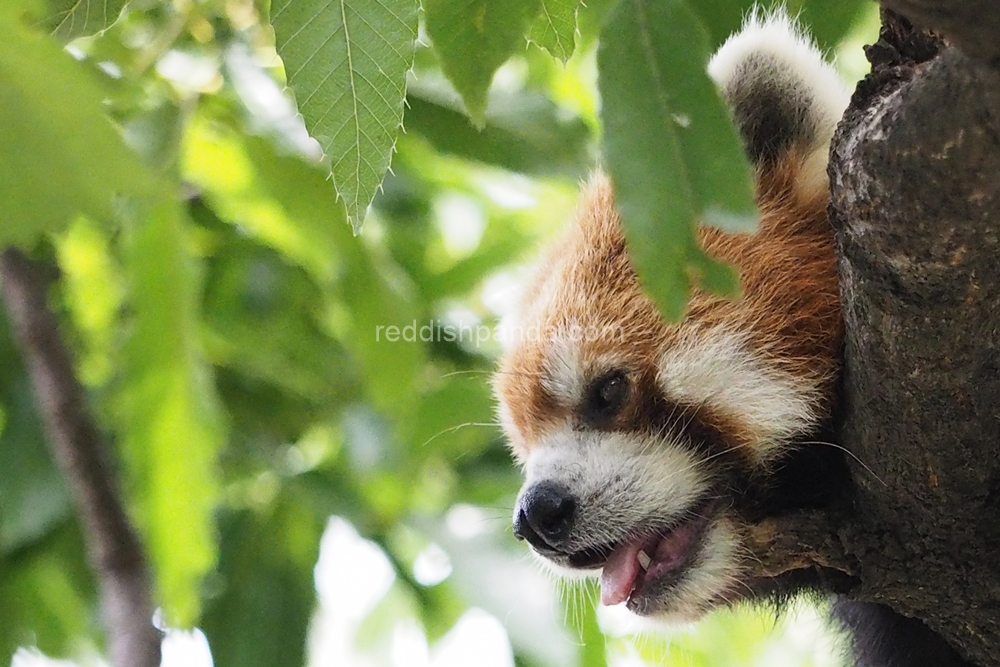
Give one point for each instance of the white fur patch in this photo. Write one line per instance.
(562, 375)
(717, 369)
(507, 420)
(777, 35)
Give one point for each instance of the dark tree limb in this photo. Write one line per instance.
(915, 186)
(915, 183)
(114, 549)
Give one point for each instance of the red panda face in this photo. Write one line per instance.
(632, 431)
(640, 439)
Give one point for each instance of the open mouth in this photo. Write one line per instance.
(632, 566)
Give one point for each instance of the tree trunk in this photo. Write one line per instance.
(915, 182)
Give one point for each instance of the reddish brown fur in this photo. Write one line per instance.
(789, 311)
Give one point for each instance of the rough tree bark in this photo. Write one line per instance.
(114, 550)
(915, 182)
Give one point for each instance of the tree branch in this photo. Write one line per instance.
(915, 187)
(114, 549)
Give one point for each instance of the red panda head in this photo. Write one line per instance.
(637, 436)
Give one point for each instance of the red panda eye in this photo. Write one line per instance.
(607, 395)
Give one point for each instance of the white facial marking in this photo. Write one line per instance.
(563, 372)
(716, 368)
(506, 419)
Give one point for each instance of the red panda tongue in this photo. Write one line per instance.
(660, 553)
(620, 572)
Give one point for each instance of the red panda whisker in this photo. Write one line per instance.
(457, 427)
(849, 453)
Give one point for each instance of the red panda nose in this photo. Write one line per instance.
(544, 516)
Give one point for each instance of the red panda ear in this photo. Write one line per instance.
(786, 99)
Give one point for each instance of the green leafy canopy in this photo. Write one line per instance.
(231, 334)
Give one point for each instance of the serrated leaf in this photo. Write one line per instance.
(168, 415)
(59, 155)
(347, 64)
(675, 47)
(473, 38)
(555, 28)
(671, 149)
(69, 19)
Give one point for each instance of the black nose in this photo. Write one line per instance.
(544, 516)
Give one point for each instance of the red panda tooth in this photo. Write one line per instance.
(644, 560)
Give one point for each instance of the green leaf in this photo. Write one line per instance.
(168, 415)
(239, 176)
(523, 131)
(473, 38)
(93, 291)
(555, 28)
(671, 149)
(59, 155)
(347, 64)
(261, 615)
(69, 19)
(48, 596)
(829, 22)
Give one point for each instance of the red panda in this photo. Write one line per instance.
(640, 440)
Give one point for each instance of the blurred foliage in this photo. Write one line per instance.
(259, 369)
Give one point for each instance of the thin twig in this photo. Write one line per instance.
(115, 552)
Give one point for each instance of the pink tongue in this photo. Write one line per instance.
(620, 572)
